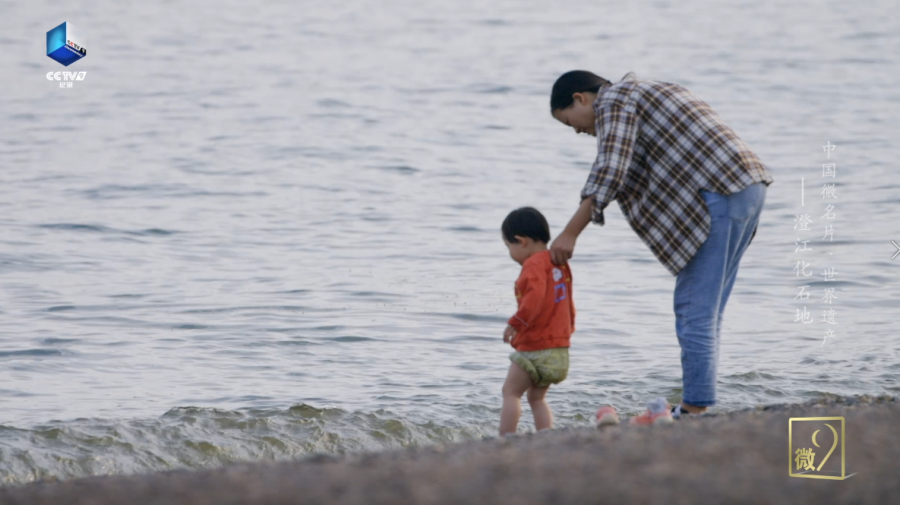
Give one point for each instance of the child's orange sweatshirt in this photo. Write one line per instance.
(546, 316)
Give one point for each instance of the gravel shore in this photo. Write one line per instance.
(734, 457)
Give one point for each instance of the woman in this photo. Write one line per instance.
(689, 187)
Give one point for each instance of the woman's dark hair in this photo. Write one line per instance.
(525, 222)
(577, 81)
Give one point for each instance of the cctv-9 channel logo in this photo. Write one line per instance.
(65, 44)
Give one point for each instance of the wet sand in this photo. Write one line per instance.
(734, 457)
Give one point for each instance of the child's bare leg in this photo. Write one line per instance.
(543, 416)
(517, 382)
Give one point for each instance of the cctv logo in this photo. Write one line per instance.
(78, 48)
(65, 45)
(66, 78)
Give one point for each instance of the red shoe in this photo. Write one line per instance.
(606, 416)
(658, 412)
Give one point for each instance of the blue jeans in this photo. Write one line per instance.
(703, 285)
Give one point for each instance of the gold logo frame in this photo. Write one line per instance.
(792, 456)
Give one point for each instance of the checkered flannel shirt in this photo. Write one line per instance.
(657, 146)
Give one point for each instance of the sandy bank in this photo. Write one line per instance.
(736, 457)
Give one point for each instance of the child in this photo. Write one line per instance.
(541, 328)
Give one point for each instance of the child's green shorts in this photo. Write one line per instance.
(548, 366)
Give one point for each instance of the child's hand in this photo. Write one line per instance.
(509, 334)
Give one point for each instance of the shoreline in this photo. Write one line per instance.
(730, 457)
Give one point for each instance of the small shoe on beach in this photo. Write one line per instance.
(658, 412)
(606, 416)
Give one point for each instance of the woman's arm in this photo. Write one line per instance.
(615, 145)
(562, 248)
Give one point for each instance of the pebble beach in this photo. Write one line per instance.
(731, 457)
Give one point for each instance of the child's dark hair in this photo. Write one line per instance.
(525, 222)
(577, 81)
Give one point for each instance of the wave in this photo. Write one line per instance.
(198, 437)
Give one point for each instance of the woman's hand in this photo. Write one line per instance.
(562, 248)
(509, 334)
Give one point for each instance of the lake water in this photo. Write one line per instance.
(260, 231)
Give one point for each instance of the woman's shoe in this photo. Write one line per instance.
(678, 412)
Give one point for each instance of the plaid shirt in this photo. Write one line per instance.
(657, 146)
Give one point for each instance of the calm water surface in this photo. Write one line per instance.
(263, 231)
